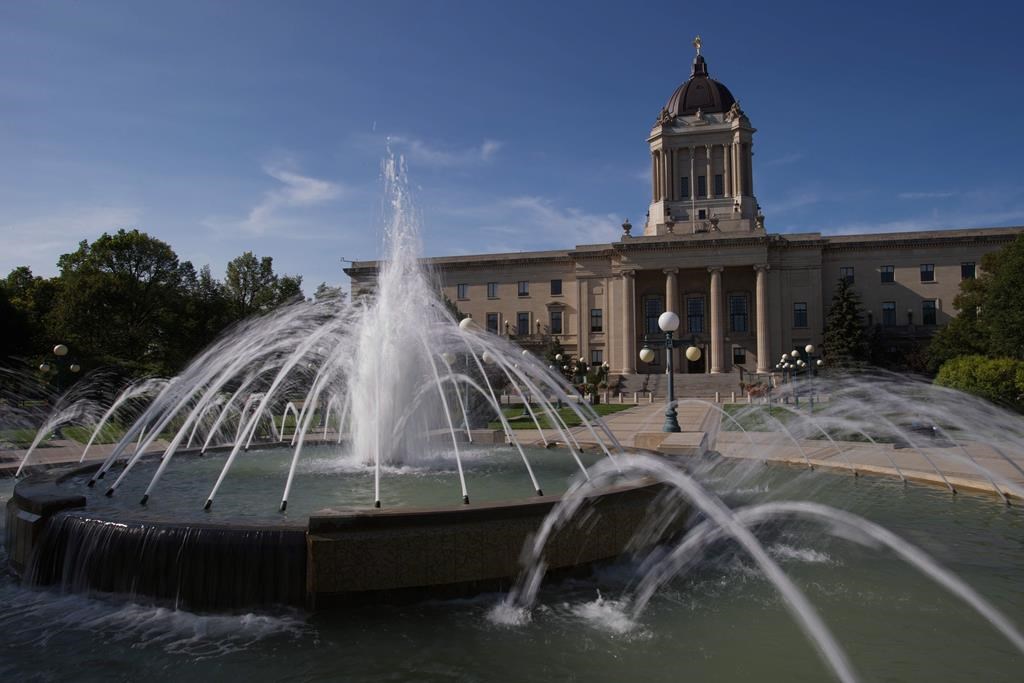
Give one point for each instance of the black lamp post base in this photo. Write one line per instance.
(671, 421)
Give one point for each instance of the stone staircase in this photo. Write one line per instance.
(690, 386)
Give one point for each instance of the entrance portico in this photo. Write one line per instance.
(723, 310)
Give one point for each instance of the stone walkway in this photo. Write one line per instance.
(701, 424)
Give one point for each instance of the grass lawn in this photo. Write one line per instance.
(519, 418)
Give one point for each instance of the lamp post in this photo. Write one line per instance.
(669, 323)
(60, 366)
(814, 364)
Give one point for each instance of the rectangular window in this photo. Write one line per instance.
(596, 320)
(596, 357)
(927, 272)
(967, 270)
(702, 214)
(719, 185)
(889, 313)
(695, 315)
(492, 323)
(654, 306)
(522, 323)
(846, 273)
(702, 186)
(684, 187)
(739, 355)
(888, 274)
(556, 322)
(800, 314)
(928, 308)
(492, 290)
(462, 290)
(556, 288)
(524, 288)
(738, 312)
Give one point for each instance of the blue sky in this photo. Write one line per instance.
(221, 127)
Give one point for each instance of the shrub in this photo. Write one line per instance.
(1000, 380)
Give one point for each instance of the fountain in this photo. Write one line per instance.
(337, 452)
(394, 378)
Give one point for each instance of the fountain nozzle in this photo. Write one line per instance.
(284, 505)
(145, 499)
(465, 500)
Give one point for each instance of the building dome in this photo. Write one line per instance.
(700, 92)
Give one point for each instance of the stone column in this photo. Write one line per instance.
(693, 191)
(672, 304)
(629, 322)
(737, 168)
(716, 319)
(709, 184)
(654, 177)
(727, 168)
(762, 317)
(750, 168)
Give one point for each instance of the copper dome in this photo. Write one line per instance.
(699, 92)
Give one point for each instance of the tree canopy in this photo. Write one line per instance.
(127, 301)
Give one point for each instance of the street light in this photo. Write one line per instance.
(669, 323)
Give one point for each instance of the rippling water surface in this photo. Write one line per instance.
(721, 622)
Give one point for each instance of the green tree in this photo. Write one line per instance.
(845, 342)
(117, 301)
(28, 299)
(990, 310)
(251, 286)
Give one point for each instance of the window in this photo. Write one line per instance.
(927, 272)
(719, 185)
(695, 315)
(524, 288)
(928, 308)
(684, 187)
(702, 214)
(889, 313)
(462, 290)
(654, 306)
(967, 270)
(846, 274)
(556, 288)
(738, 312)
(596, 357)
(556, 322)
(492, 322)
(739, 355)
(522, 323)
(702, 186)
(800, 314)
(596, 320)
(888, 274)
(492, 290)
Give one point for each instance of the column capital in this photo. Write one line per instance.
(670, 271)
(715, 269)
(761, 267)
(692, 151)
(628, 273)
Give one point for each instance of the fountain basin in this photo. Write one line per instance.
(57, 536)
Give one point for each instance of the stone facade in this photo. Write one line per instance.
(744, 295)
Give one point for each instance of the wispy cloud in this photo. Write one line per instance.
(795, 200)
(536, 222)
(428, 154)
(278, 207)
(790, 158)
(38, 240)
(926, 195)
(937, 220)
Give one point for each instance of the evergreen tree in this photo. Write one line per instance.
(845, 342)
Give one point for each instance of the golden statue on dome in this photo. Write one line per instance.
(697, 44)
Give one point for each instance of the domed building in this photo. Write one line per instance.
(744, 296)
